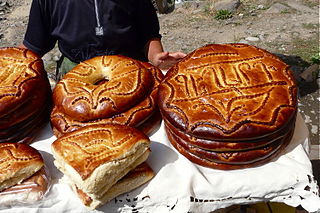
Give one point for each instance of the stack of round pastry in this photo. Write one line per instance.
(229, 106)
(25, 95)
(107, 89)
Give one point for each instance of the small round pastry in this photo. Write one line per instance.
(144, 114)
(102, 87)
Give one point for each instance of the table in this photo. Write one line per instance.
(181, 186)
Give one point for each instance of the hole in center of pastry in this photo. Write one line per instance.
(101, 81)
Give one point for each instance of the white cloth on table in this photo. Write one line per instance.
(181, 186)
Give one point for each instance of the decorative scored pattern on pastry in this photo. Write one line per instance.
(21, 71)
(80, 95)
(227, 91)
(134, 116)
(91, 146)
(15, 157)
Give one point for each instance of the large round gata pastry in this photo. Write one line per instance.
(141, 112)
(233, 97)
(232, 159)
(25, 95)
(21, 75)
(225, 145)
(26, 130)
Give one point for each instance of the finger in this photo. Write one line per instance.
(177, 55)
(162, 56)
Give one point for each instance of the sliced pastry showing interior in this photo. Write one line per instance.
(96, 157)
(28, 191)
(135, 178)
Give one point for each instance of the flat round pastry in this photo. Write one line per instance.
(18, 119)
(229, 91)
(17, 162)
(222, 160)
(150, 126)
(238, 157)
(22, 73)
(25, 110)
(102, 87)
(62, 124)
(140, 114)
(27, 130)
(228, 145)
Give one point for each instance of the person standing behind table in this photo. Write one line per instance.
(84, 29)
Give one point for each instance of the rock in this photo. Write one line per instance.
(260, 7)
(56, 58)
(230, 5)
(314, 129)
(261, 37)
(277, 8)
(311, 73)
(242, 41)
(251, 38)
(300, 7)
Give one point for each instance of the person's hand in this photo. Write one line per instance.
(165, 60)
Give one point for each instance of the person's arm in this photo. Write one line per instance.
(38, 36)
(150, 38)
(160, 58)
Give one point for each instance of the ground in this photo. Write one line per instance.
(290, 30)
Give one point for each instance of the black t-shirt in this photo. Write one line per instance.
(127, 27)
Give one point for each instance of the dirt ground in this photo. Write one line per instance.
(288, 28)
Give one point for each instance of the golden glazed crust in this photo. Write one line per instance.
(230, 160)
(237, 157)
(228, 145)
(17, 162)
(136, 116)
(227, 91)
(25, 110)
(80, 95)
(22, 74)
(27, 130)
(89, 147)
